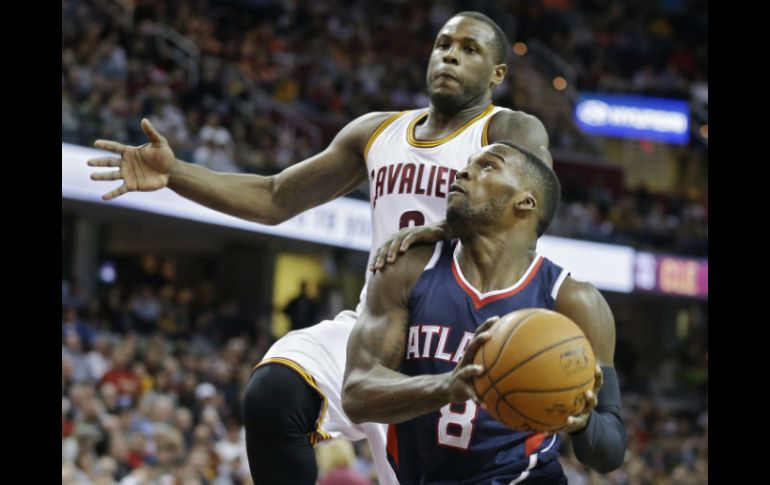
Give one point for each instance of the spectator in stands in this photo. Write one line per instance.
(302, 310)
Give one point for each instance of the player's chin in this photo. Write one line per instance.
(454, 201)
(455, 207)
(445, 94)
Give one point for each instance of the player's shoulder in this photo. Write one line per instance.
(408, 267)
(360, 130)
(415, 258)
(521, 127)
(583, 300)
(506, 119)
(573, 290)
(370, 121)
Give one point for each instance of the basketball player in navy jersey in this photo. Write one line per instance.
(410, 159)
(410, 355)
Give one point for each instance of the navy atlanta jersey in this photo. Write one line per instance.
(461, 443)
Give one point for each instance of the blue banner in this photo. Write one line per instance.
(637, 117)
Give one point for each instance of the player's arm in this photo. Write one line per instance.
(598, 435)
(521, 128)
(336, 171)
(514, 126)
(373, 389)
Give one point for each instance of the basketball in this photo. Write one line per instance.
(538, 365)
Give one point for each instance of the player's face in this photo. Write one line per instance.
(485, 187)
(461, 64)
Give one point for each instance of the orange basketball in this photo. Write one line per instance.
(538, 365)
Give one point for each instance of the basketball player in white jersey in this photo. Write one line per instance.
(410, 159)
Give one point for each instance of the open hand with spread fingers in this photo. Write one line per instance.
(144, 168)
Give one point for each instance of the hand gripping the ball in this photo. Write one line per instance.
(579, 421)
(458, 384)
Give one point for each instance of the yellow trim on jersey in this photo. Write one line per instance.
(485, 132)
(434, 143)
(390, 119)
(319, 434)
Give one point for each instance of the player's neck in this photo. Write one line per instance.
(495, 262)
(438, 122)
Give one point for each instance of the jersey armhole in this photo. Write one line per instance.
(485, 131)
(562, 276)
(436, 255)
(390, 119)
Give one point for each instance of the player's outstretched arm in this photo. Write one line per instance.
(336, 171)
(598, 434)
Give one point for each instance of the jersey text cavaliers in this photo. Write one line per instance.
(411, 178)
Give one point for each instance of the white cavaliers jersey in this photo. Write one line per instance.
(409, 178)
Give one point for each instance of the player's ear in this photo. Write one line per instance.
(525, 201)
(498, 74)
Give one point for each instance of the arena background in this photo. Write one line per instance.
(166, 306)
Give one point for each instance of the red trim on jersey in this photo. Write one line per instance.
(480, 302)
(533, 442)
(392, 445)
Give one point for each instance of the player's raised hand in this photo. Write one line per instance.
(144, 168)
(401, 241)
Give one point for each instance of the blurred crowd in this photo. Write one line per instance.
(146, 397)
(674, 224)
(336, 57)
